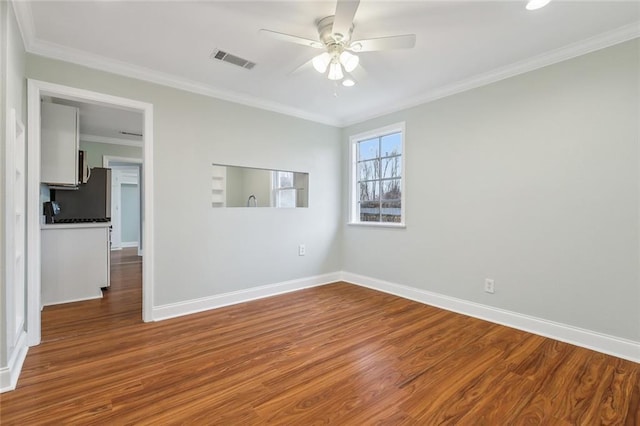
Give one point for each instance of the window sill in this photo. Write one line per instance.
(378, 224)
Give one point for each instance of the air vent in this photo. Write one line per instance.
(130, 133)
(232, 59)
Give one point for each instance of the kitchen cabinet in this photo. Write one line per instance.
(75, 262)
(59, 145)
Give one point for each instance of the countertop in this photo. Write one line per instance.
(49, 226)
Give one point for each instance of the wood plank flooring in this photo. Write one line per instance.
(336, 354)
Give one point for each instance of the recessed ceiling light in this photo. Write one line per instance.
(348, 83)
(537, 4)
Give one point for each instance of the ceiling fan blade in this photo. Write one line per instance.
(384, 43)
(307, 66)
(343, 19)
(292, 39)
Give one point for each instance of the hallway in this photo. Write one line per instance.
(120, 305)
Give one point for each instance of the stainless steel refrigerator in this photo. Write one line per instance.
(92, 200)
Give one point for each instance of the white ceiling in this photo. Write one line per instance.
(104, 124)
(459, 45)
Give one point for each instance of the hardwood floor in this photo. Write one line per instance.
(337, 354)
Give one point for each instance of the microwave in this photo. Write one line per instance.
(84, 172)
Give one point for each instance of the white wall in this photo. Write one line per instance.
(201, 251)
(532, 181)
(13, 90)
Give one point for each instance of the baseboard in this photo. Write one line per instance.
(604, 343)
(9, 374)
(129, 244)
(72, 300)
(173, 310)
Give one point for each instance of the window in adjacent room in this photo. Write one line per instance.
(377, 182)
(284, 189)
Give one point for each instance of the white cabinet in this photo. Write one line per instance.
(59, 144)
(75, 262)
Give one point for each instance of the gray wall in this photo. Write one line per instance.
(130, 213)
(532, 181)
(13, 91)
(201, 251)
(95, 151)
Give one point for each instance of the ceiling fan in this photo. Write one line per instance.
(334, 34)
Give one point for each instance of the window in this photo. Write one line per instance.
(284, 190)
(377, 185)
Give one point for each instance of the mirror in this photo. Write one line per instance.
(235, 186)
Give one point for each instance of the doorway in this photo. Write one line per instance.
(126, 202)
(36, 90)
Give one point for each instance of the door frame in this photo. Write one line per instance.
(15, 337)
(135, 162)
(35, 90)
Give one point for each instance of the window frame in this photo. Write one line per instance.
(277, 190)
(354, 213)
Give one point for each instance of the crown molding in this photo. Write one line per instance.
(47, 49)
(24, 16)
(601, 41)
(55, 51)
(113, 141)
(101, 63)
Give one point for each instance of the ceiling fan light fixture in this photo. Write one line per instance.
(335, 71)
(536, 4)
(321, 62)
(348, 82)
(356, 47)
(349, 61)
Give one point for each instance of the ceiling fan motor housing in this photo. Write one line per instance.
(325, 31)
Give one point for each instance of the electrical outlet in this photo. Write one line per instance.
(489, 286)
(302, 250)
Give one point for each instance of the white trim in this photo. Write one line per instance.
(33, 214)
(112, 141)
(601, 41)
(24, 17)
(36, 89)
(26, 24)
(107, 158)
(616, 346)
(15, 342)
(353, 190)
(9, 374)
(80, 299)
(8, 225)
(147, 186)
(187, 307)
(128, 244)
(379, 224)
(102, 63)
